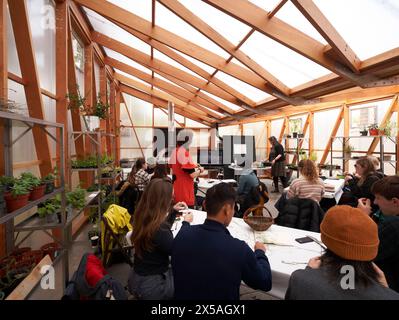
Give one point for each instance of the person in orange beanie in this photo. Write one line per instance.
(345, 271)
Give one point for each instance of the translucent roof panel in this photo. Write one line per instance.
(289, 67)
(198, 63)
(267, 5)
(160, 56)
(228, 27)
(291, 15)
(371, 31)
(166, 80)
(144, 10)
(226, 103)
(111, 30)
(171, 22)
(117, 56)
(131, 77)
(247, 90)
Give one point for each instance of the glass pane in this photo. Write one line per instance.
(198, 63)
(194, 124)
(257, 129)
(169, 21)
(268, 5)
(371, 31)
(289, 67)
(111, 30)
(42, 26)
(291, 15)
(144, 9)
(251, 92)
(229, 130)
(16, 95)
(160, 118)
(97, 77)
(12, 55)
(140, 111)
(228, 27)
(276, 126)
(226, 103)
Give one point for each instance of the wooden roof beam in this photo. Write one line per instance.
(130, 20)
(276, 9)
(197, 23)
(309, 9)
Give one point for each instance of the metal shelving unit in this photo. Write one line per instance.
(11, 120)
(296, 149)
(382, 153)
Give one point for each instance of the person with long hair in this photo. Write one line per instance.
(152, 238)
(184, 170)
(277, 158)
(358, 185)
(308, 185)
(160, 171)
(346, 270)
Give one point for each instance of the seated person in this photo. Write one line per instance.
(208, 263)
(358, 186)
(377, 168)
(151, 278)
(141, 177)
(247, 181)
(308, 185)
(386, 192)
(160, 171)
(352, 242)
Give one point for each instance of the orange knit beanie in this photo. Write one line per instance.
(350, 233)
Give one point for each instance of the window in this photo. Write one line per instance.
(295, 125)
(361, 118)
(78, 54)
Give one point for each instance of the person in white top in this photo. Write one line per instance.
(308, 185)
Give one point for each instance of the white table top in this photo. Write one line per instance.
(284, 258)
(337, 183)
(205, 183)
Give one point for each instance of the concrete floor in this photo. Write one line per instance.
(81, 245)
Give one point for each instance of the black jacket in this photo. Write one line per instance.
(304, 214)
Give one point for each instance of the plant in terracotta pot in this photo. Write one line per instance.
(34, 184)
(18, 197)
(374, 130)
(49, 210)
(76, 198)
(100, 109)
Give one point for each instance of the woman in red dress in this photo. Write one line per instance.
(184, 171)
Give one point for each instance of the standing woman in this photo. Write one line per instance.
(184, 170)
(151, 277)
(277, 158)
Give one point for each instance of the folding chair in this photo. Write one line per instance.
(115, 225)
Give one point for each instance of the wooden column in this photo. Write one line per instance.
(311, 132)
(27, 62)
(118, 124)
(346, 131)
(61, 51)
(4, 97)
(268, 134)
(397, 135)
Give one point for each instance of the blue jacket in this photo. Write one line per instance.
(209, 264)
(248, 180)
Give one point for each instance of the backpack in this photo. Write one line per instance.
(106, 288)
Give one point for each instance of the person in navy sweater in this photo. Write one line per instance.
(208, 263)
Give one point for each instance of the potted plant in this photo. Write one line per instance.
(387, 128)
(49, 210)
(77, 102)
(5, 185)
(100, 109)
(313, 156)
(76, 198)
(49, 182)
(34, 184)
(18, 197)
(348, 151)
(301, 135)
(364, 132)
(374, 130)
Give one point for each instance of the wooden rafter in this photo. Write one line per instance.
(231, 94)
(285, 34)
(276, 9)
(162, 95)
(162, 104)
(392, 108)
(174, 90)
(27, 62)
(329, 33)
(157, 65)
(188, 16)
(128, 19)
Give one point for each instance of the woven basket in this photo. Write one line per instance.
(257, 221)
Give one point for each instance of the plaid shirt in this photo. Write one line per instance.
(141, 179)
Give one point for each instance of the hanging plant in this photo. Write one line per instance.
(101, 109)
(77, 102)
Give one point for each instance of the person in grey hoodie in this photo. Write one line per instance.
(345, 271)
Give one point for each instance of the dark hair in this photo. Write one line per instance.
(368, 167)
(273, 140)
(364, 271)
(183, 137)
(160, 171)
(388, 187)
(136, 167)
(150, 214)
(218, 196)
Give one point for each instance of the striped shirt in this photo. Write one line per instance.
(304, 189)
(141, 179)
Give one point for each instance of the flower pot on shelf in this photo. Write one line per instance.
(364, 133)
(295, 134)
(37, 192)
(300, 135)
(17, 202)
(374, 132)
(51, 218)
(50, 186)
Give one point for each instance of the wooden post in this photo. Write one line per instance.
(117, 124)
(311, 132)
(268, 134)
(61, 51)
(346, 133)
(27, 62)
(4, 97)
